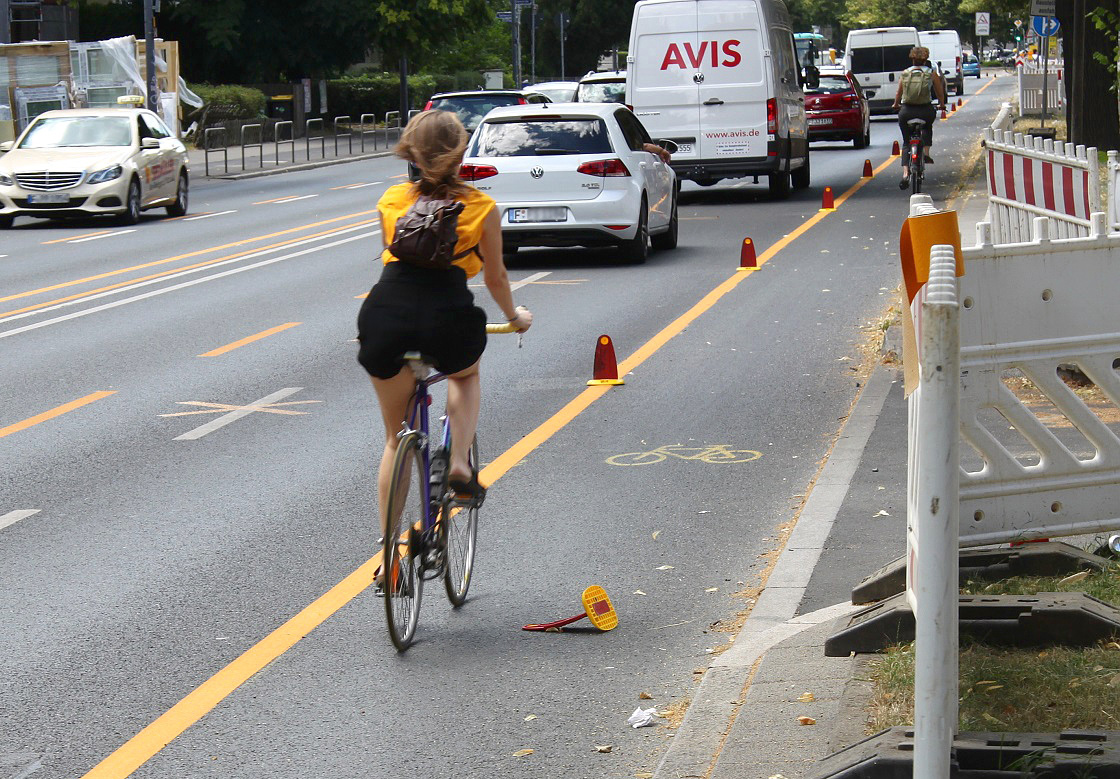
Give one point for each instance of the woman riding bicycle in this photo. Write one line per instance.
(430, 310)
(918, 85)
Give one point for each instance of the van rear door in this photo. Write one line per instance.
(662, 87)
(731, 69)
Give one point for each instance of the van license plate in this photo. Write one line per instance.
(53, 198)
(539, 214)
(820, 121)
(684, 148)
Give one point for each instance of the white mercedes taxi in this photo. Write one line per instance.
(575, 174)
(85, 161)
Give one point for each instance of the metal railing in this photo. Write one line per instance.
(392, 121)
(321, 137)
(348, 135)
(364, 122)
(208, 148)
(259, 145)
(291, 141)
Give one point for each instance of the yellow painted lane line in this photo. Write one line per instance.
(171, 271)
(168, 726)
(55, 412)
(249, 339)
(75, 237)
(965, 101)
(188, 255)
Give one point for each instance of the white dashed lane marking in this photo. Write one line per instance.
(13, 517)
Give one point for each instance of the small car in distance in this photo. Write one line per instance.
(606, 87)
(472, 106)
(575, 174)
(970, 66)
(837, 110)
(88, 161)
(556, 91)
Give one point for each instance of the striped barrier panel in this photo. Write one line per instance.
(1031, 177)
(1040, 454)
(1113, 191)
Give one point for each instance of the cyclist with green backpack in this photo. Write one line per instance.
(918, 86)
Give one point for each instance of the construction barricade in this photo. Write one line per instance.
(1030, 177)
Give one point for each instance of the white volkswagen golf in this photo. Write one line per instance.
(574, 175)
(85, 161)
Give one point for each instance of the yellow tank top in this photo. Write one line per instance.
(400, 197)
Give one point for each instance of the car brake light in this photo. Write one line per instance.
(603, 168)
(428, 107)
(853, 100)
(772, 116)
(471, 172)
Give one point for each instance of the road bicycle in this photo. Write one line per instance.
(430, 533)
(915, 148)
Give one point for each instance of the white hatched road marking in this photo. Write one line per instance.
(13, 517)
(103, 235)
(153, 293)
(207, 216)
(233, 416)
(529, 280)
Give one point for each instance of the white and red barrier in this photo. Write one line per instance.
(1113, 191)
(1031, 177)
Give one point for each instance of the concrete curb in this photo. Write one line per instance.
(697, 745)
(253, 174)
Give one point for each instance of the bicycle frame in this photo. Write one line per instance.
(417, 420)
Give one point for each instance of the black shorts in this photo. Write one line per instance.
(422, 310)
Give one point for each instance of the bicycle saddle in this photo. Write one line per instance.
(915, 122)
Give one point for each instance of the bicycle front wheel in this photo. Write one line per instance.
(460, 532)
(400, 548)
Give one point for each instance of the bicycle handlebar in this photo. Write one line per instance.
(496, 327)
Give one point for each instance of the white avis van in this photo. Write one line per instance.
(721, 80)
(877, 57)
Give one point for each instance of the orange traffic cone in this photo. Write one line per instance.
(942, 113)
(747, 258)
(867, 171)
(606, 369)
(895, 151)
(959, 102)
(953, 108)
(826, 200)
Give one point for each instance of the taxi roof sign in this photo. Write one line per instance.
(133, 101)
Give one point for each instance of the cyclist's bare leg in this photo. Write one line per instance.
(464, 392)
(393, 396)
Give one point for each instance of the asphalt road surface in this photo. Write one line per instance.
(188, 450)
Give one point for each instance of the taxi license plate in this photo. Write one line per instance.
(820, 121)
(539, 214)
(53, 198)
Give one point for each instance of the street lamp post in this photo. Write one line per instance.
(563, 70)
(150, 53)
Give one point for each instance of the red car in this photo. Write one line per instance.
(838, 111)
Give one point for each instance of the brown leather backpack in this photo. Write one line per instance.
(426, 235)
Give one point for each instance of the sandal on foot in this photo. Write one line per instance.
(467, 489)
(905, 183)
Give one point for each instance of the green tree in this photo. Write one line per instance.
(423, 30)
(1091, 95)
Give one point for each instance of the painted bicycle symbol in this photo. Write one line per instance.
(715, 453)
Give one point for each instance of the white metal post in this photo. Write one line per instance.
(937, 506)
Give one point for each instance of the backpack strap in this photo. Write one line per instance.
(465, 252)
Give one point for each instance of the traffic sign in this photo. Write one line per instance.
(1044, 8)
(1045, 26)
(983, 23)
(524, 2)
(505, 16)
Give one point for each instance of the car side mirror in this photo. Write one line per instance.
(149, 143)
(667, 145)
(812, 78)
(6, 146)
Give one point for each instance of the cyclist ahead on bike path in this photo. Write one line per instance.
(918, 85)
(428, 309)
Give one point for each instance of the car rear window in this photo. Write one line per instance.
(55, 132)
(470, 110)
(831, 85)
(602, 92)
(532, 137)
(880, 59)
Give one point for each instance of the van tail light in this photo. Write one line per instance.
(428, 107)
(604, 168)
(471, 172)
(958, 64)
(772, 116)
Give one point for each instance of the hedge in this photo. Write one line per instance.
(237, 102)
(378, 93)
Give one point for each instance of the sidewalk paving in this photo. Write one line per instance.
(743, 722)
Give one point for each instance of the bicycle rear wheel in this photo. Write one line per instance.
(917, 171)
(459, 533)
(400, 548)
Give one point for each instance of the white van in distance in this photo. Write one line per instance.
(721, 80)
(945, 53)
(877, 57)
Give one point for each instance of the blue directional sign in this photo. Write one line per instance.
(1045, 26)
(505, 16)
